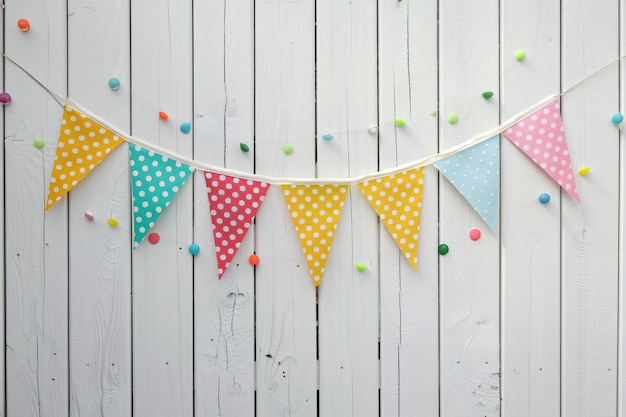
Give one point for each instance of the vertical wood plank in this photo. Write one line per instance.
(286, 342)
(99, 267)
(348, 299)
(530, 231)
(3, 246)
(590, 230)
(409, 318)
(163, 273)
(36, 244)
(469, 273)
(621, 375)
(224, 118)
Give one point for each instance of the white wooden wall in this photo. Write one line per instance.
(528, 321)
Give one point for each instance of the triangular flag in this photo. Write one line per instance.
(397, 199)
(541, 137)
(475, 172)
(83, 144)
(315, 210)
(234, 203)
(155, 179)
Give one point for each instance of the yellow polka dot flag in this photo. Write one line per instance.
(315, 210)
(397, 199)
(83, 144)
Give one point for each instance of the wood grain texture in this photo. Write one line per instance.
(163, 273)
(589, 231)
(409, 318)
(530, 251)
(286, 323)
(36, 243)
(469, 274)
(348, 299)
(224, 118)
(93, 329)
(3, 247)
(99, 262)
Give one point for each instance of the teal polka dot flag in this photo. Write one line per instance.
(475, 172)
(156, 179)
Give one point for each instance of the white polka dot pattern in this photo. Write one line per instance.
(155, 179)
(475, 173)
(234, 203)
(397, 199)
(83, 144)
(541, 137)
(315, 210)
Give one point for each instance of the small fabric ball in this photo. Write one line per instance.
(185, 127)
(520, 55)
(194, 249)
(360, 267)
(154, 238)
(114, 83)
(544, 198)
(5, 98)
(617, 118)
(39, 143)
(443, 249)
(163, 115)
(254, 259)
(287, 149)
(474, 234)
(24, 25)
(453, 118)
(112, 222)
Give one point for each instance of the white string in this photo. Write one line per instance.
(286, 180)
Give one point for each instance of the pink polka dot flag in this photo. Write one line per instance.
(234, 203)
(397, 199)
(541, 137)
(83, 144)
(315, 210)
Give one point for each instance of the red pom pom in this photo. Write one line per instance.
(154, 238)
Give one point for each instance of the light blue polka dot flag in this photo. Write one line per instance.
(475, 172)
(155, 181)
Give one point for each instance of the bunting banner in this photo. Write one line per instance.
(315, 210)
(155, 179)
(83, 144)
(541, 137)
(397, 199)
(475, 173)
(234, 203)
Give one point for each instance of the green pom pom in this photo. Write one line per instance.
(39, 143)
(453, 118)
(443, 249)
(360, 267)
(520, 55)
(244, 147)
(488, 94)
(400, 122)
(288, 149)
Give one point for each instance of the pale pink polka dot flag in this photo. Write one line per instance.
(234, 203)
(541, 137)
